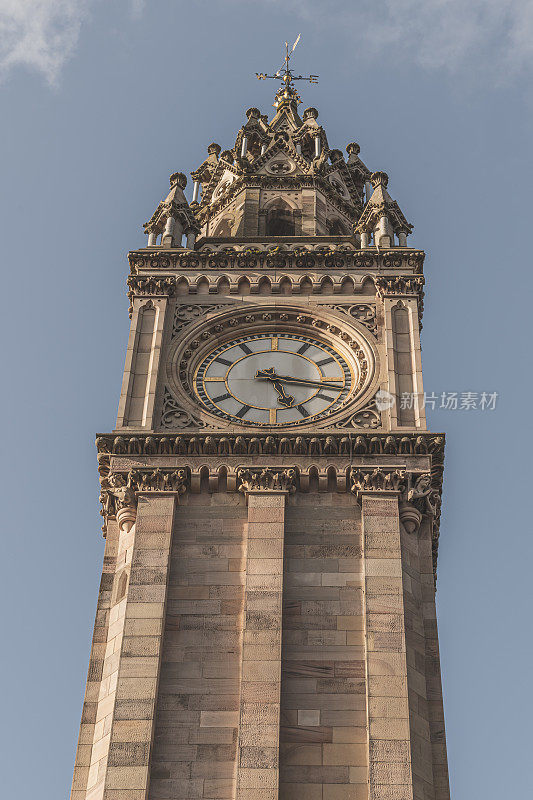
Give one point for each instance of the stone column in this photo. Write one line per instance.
(390, 769)
(152, 239)
(382, 232)
(131, 733)
(259, 713)
(168, 233)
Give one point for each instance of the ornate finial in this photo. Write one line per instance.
(379, 178)
(287, 92)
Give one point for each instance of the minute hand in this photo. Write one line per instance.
(301, 381)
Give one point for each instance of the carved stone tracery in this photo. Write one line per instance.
(367, 417)
(185, 314)
(362, 312)
(175, 417)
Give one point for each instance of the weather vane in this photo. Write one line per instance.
(287, 92)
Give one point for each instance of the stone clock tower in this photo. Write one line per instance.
(266, 618)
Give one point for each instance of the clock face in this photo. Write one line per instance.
(273, 379)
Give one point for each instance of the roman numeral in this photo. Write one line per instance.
(303, 348)
(224, 361)
(302, 411)
(324, 396)
(220, 397)
(244, 410)
(245, 348)
(324, 361)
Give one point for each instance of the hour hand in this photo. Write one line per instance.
(284, 399)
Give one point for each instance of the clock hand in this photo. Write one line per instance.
(284, 399)
(270, 374)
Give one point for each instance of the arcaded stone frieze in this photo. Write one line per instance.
(300, 256)
(417, 488)
(348, 443)
(283, 285)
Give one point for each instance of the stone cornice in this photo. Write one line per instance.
(252, 258)
(320, 444)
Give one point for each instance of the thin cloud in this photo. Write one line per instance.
(42, 35)
(39, 34)
(492, 37)
(137, 8)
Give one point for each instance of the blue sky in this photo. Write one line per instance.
(100, 102)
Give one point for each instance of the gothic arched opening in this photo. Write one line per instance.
(223, 228)
(336, 227)
(280, 220)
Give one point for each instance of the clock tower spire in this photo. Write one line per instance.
(270, 494)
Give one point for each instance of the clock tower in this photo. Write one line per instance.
(266, 621)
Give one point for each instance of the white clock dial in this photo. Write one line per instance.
(273, 379)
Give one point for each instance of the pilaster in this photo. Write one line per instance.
(89, 770)
(137, 398)
(404, 362)
(390, 769)
(259, 713)
(138, 661)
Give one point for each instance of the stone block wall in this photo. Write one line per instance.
(323, 748)
(256, 646)
(197, 712)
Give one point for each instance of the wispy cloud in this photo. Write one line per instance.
(491, 37)
(39, 34)
(137, 8)
(494, 37)
(43, 34)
